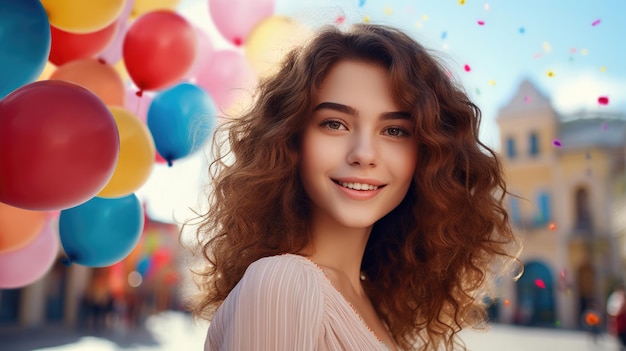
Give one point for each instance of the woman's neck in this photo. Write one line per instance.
(338, 248)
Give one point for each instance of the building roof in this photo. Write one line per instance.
(528, 98)
(587, 129)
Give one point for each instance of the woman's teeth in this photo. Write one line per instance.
(358, 186)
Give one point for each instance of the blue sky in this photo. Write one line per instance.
(518, 40)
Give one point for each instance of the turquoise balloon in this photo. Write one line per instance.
(24, 43)
(101, 231)
(181, 119)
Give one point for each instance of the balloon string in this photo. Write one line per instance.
(138, 104)
(66, 261)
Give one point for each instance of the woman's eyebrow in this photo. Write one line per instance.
(396, 115)
(353, 112)
(336, 107)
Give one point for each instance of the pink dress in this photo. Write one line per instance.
(286, 302)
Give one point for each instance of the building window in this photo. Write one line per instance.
(583, 214)
(510, 147)
(534, 144)
(514, 211)
(543, 209)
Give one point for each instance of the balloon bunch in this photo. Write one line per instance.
(92, 94)
(72, 153)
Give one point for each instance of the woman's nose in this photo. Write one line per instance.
(362, 150)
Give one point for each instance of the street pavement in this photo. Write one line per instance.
(175, 331)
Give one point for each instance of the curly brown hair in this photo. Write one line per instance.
(428, 262)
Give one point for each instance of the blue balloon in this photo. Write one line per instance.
(143, 265)
(181, 119)
(24, 43)
(101, 231)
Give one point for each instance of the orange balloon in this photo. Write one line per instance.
(18, 227)
(98, 77)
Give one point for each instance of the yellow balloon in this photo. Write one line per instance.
(82, 16)
(137, 155)
(142, 6)
(271, 40)
(47, 71)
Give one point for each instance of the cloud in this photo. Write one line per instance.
(580, 91)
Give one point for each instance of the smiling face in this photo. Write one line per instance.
(358, 149)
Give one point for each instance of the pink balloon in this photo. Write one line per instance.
(138, 105)
(26, 265)
(224, 75)
(204, 52)
(236, 18)
(113, 53)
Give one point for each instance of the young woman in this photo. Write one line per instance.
(353, 206)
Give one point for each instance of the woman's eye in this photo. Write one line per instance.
(396, 132)
(333, 125)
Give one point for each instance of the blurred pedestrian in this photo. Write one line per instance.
(616, 310)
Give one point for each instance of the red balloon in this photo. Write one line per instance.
(159, 49)
(66, 46)
(59, 146)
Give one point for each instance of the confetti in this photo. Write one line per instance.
(596, 22)
(507, 302)
(603, 69)
(481, 22)
(547, 47)
(552, 226)
(486, 7)
(572, 50)
(537, 55)
(540, 284)
(388, 11)
(467, 68)
(477, 91)
(584, 52)
(340, 19)
(557, 323)
(557, 143)
(418, 24)
(522, 30)
(237, 41)
(361, 3)
(603, 100)
(444, 35)
(550, 74)
(492, 82)
(366, 19)
(527, 99)
(425, 17)
(461, 2)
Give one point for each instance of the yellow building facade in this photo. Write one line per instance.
(564, 173)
